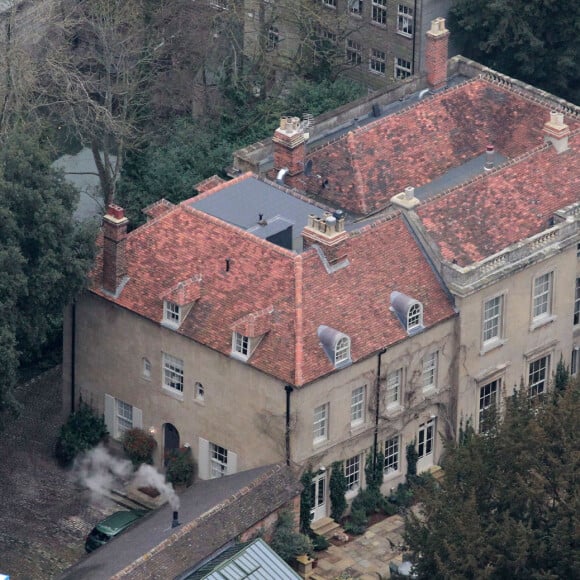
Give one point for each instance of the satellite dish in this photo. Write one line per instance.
(308, 168)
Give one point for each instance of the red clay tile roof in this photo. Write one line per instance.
(184, 292)
(296, 288)
(369, 165)
(157, 209)
(510, 204)
(209, 183)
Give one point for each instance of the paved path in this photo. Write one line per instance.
(365, 557)
(44, 514)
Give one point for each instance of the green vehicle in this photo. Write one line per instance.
(111, 527)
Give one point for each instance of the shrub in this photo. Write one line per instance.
(139, 446)
(337, 491)
(357, 522)
(286, 542)
(83, 430)
(180, 466)
(403, 497)
(319, 542)
(306, 500)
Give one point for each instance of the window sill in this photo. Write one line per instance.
(404, 34)
(352, 493)
(239, 356)
(199, 402)
(430, 389)
(357, 427)
(391, 474)
(172, 393)
(394, 409)
(378, 24)
(543, 321)
(492, 345)
(376, 72)
(170, 325)
(355, 15)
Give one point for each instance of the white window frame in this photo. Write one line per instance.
(352, 472)
(171, 313)
(426, 439)
(342, 350)
(576, 318)
(173, 373)
(329, 3)
(542, 294)
(241, 346)
(320, 424)
(489, 394)
(379, 12)
(218, 461)
(405, 20)
(430, 370)
(415, 316)
(357, 406)
(392, 455)
(199, 392)
(538, 375)
(493, 320)
(146, 368)
(377, 61)
(354, 52)
(120, 416)
(394, 388)
(403, 68)
(355, 7)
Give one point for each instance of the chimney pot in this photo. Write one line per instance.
(489, 158)
(557, 132)
(556, 118)
(409, 192)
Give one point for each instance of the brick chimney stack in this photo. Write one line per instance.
(114, 259)
(436, 54)
(328, 232)
(289, 146)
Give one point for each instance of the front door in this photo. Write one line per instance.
(170, 440)
(318, 496)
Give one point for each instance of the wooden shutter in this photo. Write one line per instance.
(203, 459)
(110, 415)
(232, 462)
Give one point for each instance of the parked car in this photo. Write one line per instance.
(110, 527)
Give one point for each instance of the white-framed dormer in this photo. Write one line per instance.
(248, 332)
(409, 312)
(336, 346)
(178, 301)
(171, 314)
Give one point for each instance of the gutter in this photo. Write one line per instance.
(288, 389)
(377, 402)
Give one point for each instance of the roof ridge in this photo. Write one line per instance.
(218, 187)
(481, 176)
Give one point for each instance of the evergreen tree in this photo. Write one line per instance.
(536, 41)
(44, 257)
(338, 488)
(509, 506)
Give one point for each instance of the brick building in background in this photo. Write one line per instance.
(402, 274)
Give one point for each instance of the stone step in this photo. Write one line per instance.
(320, 523)
(437, 473)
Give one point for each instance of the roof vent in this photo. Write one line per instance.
(489, 158)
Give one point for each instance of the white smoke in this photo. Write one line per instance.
(100, 472)
(148, 476)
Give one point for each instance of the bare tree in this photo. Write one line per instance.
(95, 77)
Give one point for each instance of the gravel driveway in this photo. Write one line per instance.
(44, 515)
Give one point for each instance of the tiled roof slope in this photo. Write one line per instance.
(296, 288)
(369, 165)
(515, 202)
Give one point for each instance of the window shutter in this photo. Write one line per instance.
(203, 459)
(137, 417)
(110, 415)
(232, 462)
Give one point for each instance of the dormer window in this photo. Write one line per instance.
(342, 351)
(336, 345)
(241, 346)
(171, 313)
(409, 312)
(414, 316)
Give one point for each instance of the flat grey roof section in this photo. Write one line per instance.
(457, 175)
(242, 203)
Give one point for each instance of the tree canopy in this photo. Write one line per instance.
(44, 256)
(509, 506)
(536, 41)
